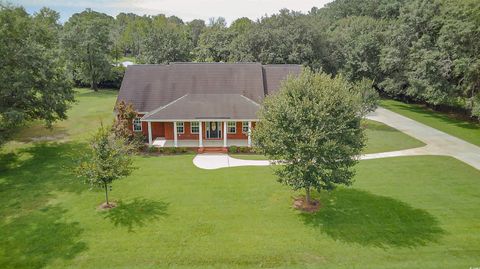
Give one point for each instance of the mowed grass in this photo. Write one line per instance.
(383, 138)
(410, 212)
(85, 115)
(465, 130)
(400, 213)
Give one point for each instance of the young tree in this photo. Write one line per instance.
(33, 80)
(109, 159)
(313, 126)
(87, 44)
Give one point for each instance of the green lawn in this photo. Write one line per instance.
(90, 110)
(409, 212)
(383, 138)
(400, 213)
(467, 131)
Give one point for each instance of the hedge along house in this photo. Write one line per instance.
(199, 104)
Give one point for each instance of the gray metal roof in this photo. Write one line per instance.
(148, 87)
(206, 106)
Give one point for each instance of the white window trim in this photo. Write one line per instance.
(234, 126)
(244, 125)
(182, 125)
(191, 127)
(139, 123)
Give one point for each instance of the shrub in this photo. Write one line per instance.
(151, 149)
(181, 150)
(233, 149)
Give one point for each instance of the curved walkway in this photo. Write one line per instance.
(215, 161)
(437, 143)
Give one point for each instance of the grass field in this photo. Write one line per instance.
(400, 213)
(409, 212)
(467, 131)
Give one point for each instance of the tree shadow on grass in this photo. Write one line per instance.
(136, 213)
(356, 216)
(34, 240)
(31, 176)
(33, 233)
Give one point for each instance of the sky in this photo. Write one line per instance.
(187, 10)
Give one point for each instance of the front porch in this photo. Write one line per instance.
(198, 134)
(162, 142)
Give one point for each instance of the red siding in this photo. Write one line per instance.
(144, 126)
(187, 135)
(158, 129)
(168, 130)
(238, 134)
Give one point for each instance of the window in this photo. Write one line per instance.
(245, 127)
(194, 127)
(231, 127)
(180, 129)
(137, 125)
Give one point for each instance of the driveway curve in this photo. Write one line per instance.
(437, 143)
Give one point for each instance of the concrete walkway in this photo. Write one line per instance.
(437, 143)
(215, 161)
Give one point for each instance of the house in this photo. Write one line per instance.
(200, 104)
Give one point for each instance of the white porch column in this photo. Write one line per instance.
(249, 133)
(200, 135)
(225, 134)
(175, 134)
(149, 133)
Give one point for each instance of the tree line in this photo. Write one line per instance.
(416, 50)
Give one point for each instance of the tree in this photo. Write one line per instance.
(358, 42)
(366, 95)
(122, 125)
(133, 30)
(109, 159)
(164, 44)
(33, 81)
(87, 44)
(313, 126)
(214, 42)
(195, 29)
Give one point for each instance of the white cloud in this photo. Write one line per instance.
(185, 9)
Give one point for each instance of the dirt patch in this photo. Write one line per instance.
(299, 203)
(108, 206)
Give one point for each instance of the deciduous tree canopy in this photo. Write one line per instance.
(87, 44)
(33, 78)
(313, 126)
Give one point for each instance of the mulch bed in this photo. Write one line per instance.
(108, 206)
(300, 204)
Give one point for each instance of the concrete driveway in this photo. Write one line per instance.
(437, 143)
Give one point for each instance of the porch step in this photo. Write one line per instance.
(212, 150)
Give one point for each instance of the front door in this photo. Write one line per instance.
(214, 130)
